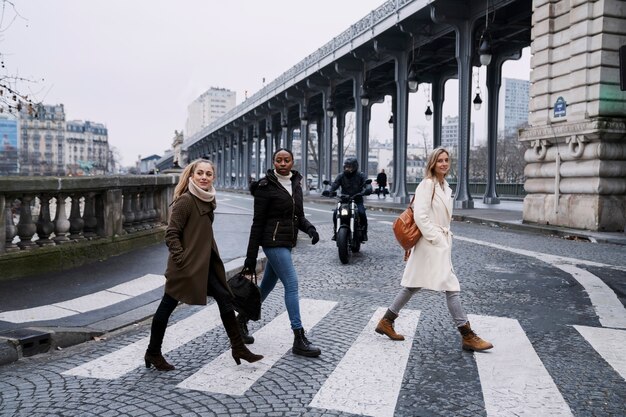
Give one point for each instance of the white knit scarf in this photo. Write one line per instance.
(207, 196)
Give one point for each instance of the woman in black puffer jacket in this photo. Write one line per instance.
(278, 215)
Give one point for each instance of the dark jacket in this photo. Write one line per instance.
(352, 185)
(277, 215)
(192, 250)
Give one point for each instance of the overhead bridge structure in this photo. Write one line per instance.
(576, 158)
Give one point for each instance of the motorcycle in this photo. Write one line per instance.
(349, 232)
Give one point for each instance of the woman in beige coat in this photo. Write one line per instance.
(430, 263)
(194, 267)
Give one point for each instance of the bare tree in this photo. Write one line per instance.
(13, 98)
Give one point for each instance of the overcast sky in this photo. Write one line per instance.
(135, 65)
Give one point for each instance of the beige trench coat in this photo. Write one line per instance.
(430, 263)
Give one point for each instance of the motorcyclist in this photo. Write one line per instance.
(351, 182)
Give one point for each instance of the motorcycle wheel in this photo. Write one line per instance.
(342, 245)
(355, 245)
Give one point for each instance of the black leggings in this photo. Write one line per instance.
(168, 303)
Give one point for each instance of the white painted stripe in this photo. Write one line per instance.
(49, 312)
(222, 375)
(90, 302)
(93, 301)
(385, 222)
(139, 286)
(609, 343)
(514, 381)
(128, 358)
(368, 379)
(608, 308)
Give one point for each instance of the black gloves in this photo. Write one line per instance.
(250, 263)
(326, 193)
(315, 237)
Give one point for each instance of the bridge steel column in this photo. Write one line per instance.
(269, 143)
(463, 29)
(304, 147)
(494, 82)
(438, 87)
(354, 69)
(221, 154)
(341, 127)
(400, 116)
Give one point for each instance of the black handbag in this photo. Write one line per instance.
(247, 299)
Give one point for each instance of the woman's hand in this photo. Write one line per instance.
(315, 237)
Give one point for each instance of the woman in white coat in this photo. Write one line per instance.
(430, 263)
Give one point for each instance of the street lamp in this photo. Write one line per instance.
(428, 113)
(484, 51)
(477, 100)
(412, 81)
(365, 98)
(330, 108)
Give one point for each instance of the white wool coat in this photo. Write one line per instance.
(430, 263)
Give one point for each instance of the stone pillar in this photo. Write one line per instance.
(576, 164)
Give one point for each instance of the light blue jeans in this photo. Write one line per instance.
(280, 266)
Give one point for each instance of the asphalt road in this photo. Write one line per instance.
(553, 308)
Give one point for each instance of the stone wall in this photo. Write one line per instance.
(576, 164)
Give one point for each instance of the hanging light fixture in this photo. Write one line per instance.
(365, 98)
(284, 124)
(390, 121)
(304, 120)
(484, 46)
(477, 100)
(484, 51)
(412, 81)
(428, 113)
(330, 108)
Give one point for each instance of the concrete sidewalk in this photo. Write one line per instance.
(73, 287)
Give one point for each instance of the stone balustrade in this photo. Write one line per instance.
(44, 215)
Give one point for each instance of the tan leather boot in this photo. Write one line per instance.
(385, 326)
(471, 341)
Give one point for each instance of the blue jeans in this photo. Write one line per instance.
(280, 266)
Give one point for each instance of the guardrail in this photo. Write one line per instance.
(44, 217)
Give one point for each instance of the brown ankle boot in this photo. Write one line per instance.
(240, 351)
(158, 361)
(385, 326)
(471, 341)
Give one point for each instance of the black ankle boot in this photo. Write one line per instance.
(302, 346)
(243, 329)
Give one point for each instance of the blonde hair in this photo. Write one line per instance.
(183, 182)
(429, 172)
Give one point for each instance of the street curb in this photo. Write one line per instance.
(30, 341)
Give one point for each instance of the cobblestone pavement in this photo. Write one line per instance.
(536, 297)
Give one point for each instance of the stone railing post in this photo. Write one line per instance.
(26, 228)
(112, 216)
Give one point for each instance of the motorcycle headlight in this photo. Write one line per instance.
(344, 211)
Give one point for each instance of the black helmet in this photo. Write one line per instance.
(352, 163)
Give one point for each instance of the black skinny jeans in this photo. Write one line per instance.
(169, 303)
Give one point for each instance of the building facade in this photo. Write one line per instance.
(9, 154)
(87, 148)
(450, 133)
(207, 108)
(516, 98)
(41, 138)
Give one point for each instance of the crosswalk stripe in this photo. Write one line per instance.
(609, 343)
(609, 309)
(90, 302)
(368, 378)
(222, 375)
(128, 358)
(513, 379)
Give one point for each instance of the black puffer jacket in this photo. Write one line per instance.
(277, 215)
